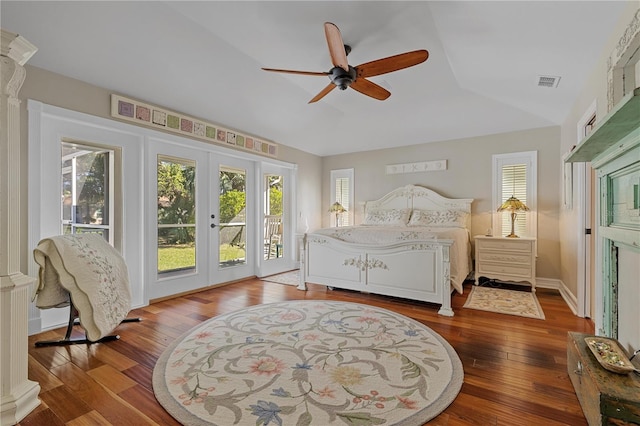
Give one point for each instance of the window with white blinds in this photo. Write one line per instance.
(514, 183)
(342, 192)
(515, 174)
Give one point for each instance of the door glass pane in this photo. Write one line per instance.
(273, 229)
(233, 216)
(87, 196)
(176, 214)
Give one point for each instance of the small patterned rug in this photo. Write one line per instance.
(289, 278)
(308, 363)
(511, 302)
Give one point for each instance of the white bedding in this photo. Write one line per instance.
(460, 252)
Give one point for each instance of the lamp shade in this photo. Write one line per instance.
(513, 206)
(337, 208)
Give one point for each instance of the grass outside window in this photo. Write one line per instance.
(180, 257)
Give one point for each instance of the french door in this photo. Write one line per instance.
(278, 243)
(198, 225)
(184, 214)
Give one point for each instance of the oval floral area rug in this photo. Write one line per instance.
(308, 363)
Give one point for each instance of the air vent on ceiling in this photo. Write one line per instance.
(548, 81)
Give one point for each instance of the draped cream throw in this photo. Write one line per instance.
(87, 271)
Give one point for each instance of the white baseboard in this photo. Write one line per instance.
(551, 283)
(35, 326)
(556, 284)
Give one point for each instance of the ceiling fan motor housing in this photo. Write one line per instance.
(342, 78)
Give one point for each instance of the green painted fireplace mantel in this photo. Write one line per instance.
(613, 148)
(611, 130)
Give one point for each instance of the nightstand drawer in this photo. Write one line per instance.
(505, 257)
(500, 244)
(496, 268)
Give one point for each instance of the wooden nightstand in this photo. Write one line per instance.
(507, 259)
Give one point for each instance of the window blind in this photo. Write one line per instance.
(514, 183)
(343, 197)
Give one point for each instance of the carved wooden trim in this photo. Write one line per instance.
(423, 166)
(633, 29)
(363, 265)
(19, 394)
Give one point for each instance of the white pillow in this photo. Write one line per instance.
(439, 218)
(389, 217)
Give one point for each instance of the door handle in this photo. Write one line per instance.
(213, 225)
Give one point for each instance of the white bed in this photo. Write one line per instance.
(413, 243)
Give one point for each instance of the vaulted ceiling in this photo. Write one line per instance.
(204, 59)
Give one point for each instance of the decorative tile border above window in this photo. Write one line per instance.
(424, 166)
(160, 118)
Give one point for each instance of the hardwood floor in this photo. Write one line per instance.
(515, 368)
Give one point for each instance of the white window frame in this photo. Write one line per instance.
(48, 127)
(499, 161)
(113, 224)
(342, 174)
(289, 201)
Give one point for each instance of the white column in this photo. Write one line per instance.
(19, 394)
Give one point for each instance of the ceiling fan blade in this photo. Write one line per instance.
(336, 46)
(392, 63)
(323, 93)
(369, 88)
(296, 72)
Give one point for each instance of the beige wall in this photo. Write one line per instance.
(468, 175)
(595, 89)
(55, 89)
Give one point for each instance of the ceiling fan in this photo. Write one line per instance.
(343, 75)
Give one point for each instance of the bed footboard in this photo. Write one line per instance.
(417, 270)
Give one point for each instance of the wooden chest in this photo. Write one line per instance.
(606, 398)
